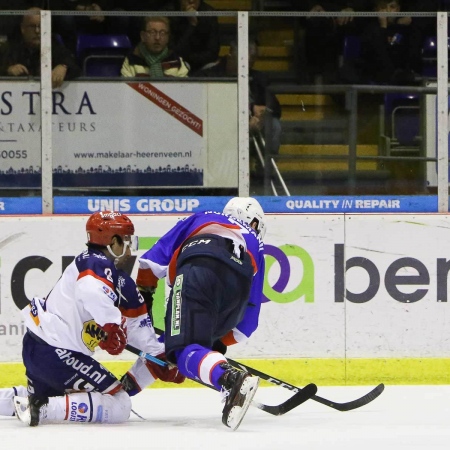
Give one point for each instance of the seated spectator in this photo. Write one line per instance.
(196, 39)
(152, 56)
(390, 47)
(22, 56)
(262, 103)
(324, 37)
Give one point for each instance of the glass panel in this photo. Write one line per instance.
(354, 112)
(20, 128)
(323, 119)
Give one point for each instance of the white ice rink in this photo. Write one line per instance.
(403, 417)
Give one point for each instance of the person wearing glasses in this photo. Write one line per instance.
(22, 57)
(93, 304)
(152, 57)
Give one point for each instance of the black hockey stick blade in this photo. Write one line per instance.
(297, 399)
(348, 406)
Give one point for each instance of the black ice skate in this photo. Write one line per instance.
(239, 389)
(28, 409)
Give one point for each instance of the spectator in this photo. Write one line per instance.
(324, 37)
(196, 39)
(390, 47)
(262, 103)
(22, 56)
(152, 57)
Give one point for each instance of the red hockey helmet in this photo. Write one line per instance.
(103, 225)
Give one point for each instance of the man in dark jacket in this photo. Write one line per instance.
(22, 57)
(390, 47)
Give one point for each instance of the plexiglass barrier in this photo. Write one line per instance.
(269, 115)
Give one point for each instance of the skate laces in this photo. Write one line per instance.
(225, 393)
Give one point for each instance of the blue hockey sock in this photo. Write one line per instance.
(198, 362)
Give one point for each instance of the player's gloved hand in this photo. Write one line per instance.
(129, 385)
(169, 373)
(219, 346)
(115, 339)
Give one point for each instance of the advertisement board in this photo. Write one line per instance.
(114, 134)
(337, 286)
(188, 204)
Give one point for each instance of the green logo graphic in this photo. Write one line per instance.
(276, 292)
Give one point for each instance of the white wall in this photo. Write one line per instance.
(309, 317)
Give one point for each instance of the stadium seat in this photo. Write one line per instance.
(401, 123)
(103, 65)
(102, 55)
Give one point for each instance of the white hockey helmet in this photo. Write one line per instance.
(248, 210)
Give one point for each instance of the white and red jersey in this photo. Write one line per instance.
(91, 293)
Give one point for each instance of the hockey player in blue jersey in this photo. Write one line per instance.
(214, 263)
(94, 304)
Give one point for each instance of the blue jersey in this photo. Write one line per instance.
(160, 260)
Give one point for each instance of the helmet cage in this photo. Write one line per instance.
(132, 241)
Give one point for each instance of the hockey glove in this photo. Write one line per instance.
(116, 338)
(219, 346)
(169, 373)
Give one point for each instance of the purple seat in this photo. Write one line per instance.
(103, 65)
(102, 54)
(402, 114)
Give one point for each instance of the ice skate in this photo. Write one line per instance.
(239, 389)
(28, 409)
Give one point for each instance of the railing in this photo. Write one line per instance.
(351, 93)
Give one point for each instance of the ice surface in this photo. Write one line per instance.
(403, 417)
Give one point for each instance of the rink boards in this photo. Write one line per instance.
(350, 298)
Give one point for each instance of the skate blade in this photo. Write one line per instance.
(237, 413)
(22, 409)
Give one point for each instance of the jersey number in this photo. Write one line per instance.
(108, 273)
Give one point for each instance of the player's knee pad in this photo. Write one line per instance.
(99, 408)
(117, 407)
